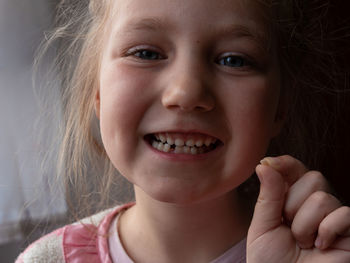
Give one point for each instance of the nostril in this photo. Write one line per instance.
(189, 109)
(205, 107)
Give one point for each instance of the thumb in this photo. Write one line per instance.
(269, 206)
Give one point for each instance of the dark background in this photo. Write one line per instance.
(337, 167)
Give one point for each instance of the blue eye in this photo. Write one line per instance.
(233, 61)
(147, 54)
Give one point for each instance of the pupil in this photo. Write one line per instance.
(148, 54)
(234, 62)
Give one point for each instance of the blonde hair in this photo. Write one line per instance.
(83, 162)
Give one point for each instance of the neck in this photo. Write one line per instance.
(165, 232)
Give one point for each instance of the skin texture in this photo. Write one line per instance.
(185, 83)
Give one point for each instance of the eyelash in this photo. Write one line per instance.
(137, 52)
(224, 61)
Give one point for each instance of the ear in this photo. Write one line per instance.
(97, 104)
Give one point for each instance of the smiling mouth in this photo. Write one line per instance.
(180, 143)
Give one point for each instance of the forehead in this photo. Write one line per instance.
(194, 16)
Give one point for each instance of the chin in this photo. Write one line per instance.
(183, 195)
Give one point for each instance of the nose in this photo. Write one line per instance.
(188, 91)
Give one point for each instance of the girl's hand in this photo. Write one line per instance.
(296, 219)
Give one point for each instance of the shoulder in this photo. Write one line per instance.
(70, 242)
(47, 249)
(56, 246)
(96, 219)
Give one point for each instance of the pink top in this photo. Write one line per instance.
(83, 243)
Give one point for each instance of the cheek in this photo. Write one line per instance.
(251, 114)
(123, 97)
(119, 111)
(253, 103)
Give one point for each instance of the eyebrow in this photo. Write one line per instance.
(147, 24)
(240, 31)
(231, 30)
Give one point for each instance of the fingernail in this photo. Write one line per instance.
(318, 243)
(271, 161)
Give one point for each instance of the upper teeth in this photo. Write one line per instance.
(179, 142)
(162, 138)
(172, 140)
(190, 142)
(164, 142)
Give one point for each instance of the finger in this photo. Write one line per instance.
(269, 206)
(334, 225)
(291, 169)
(311, 182)
(308, 218)
(341, 243)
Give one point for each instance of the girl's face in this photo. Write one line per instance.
(187, 72)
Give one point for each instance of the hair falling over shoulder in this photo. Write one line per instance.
(311, 85)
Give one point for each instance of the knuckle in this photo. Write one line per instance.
(316, 176)
(317, 180)
(345, 212)
(320, 198)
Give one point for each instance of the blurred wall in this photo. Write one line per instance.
(24, 189)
